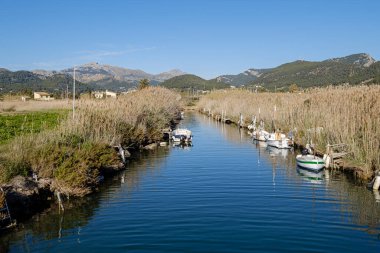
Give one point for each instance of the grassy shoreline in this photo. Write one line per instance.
(74, 153)
(348, 115)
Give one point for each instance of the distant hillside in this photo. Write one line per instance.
(353, 69)
(113, 77)
(244, 78)
(25, 81)
(193, 81)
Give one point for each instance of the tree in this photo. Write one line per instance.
(143, 83)
(293, 88)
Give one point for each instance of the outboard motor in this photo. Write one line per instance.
(305, 151)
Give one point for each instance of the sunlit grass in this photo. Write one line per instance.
(348, 115)
(74, 152)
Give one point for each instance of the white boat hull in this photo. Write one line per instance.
(278, 141)
(260, 135)
(310, 162)
(281, 144)
(182, 135)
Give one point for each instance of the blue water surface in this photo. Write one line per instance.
(223, 194)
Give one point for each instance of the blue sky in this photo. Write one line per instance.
(206, 37)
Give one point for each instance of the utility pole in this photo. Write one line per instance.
(74, 95)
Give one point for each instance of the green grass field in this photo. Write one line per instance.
(16, 124)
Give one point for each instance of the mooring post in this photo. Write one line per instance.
(122, 153)
(376, 184)
(241, 120)
(60, 204)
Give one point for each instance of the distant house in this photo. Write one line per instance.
(110, 94)
(98, 94)
(104, 94)
(25, 98)
(42, 96)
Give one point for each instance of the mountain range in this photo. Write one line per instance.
(112, 77)
(352, 69)
(90, 76)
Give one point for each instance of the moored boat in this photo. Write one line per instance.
(182, 135)
(277, 140)
(310, 162)
(260, 135)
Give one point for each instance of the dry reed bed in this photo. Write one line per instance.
(348, 115)
(77, 150)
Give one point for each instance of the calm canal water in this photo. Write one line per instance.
(224, 194)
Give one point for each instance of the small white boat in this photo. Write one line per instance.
(310, 162)
(182, 135)
(260, 135)
(278, 140)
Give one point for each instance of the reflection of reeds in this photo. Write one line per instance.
(362, 207)
(348, 115)
(2, 199)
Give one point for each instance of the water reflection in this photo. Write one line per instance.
(225, 183)
(311, 176)
(361, 208)
(53, 223)
(185, 146)
(352, 198)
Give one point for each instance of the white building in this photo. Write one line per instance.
(110, 94)
(42, 96)
(104, 94)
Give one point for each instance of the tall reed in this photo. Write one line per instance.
(349, 115)
(74, 153)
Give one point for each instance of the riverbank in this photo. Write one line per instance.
(72, 158)
(349, 115)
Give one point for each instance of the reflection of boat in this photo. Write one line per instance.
(311, 176)
(310, 162)
(278, 140)
(183, 145)
(182, 135)
(277, 152)
(261, 144)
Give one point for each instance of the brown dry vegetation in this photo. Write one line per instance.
(33, 105)
(348, 115)
(75, 152)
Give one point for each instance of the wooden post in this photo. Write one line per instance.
(60, 201)
(376, 184)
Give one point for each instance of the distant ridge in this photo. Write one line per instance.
(352, 69)
(27, 82)
(193, 82)
(107, 75)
